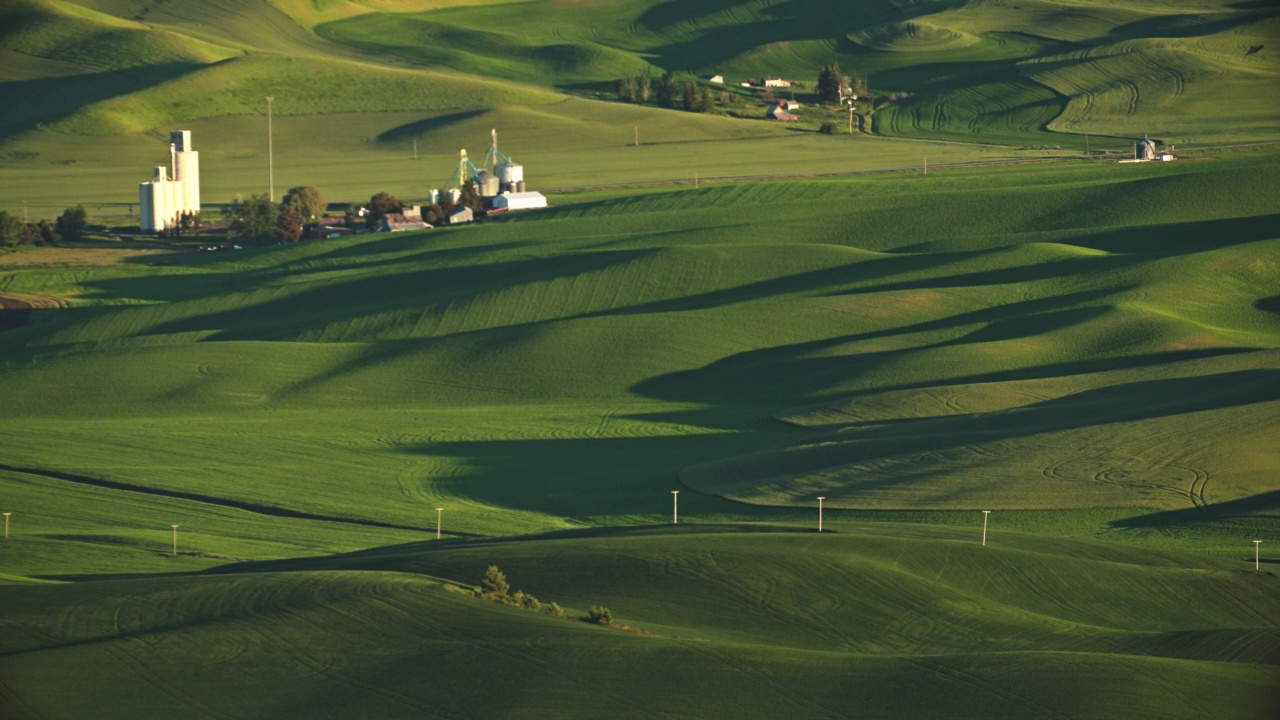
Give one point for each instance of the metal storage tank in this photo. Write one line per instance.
(1144, 150)
(486, 183)
(510, 173)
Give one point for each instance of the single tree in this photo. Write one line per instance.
(288, 225)
(827, 128)
(829, 83)
(667, 90)
(47, 234)
(433, 214)
(380, 206)
(306, 202)
(10, 229)
(691, 96)
(627, 90)
(644, 88)
(707, 101)
(72, 224)
(494, 584)
(254, 220)
(726, 98)
(470, 198)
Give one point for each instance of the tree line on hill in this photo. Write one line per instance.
(675, 91)
(72, 225)
(672, 91)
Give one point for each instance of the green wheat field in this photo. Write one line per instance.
(1089, 350)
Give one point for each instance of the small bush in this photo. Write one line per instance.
(827, 128)
(554, 610)
(526, 601)
(600, 615)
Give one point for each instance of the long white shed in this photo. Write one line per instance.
(520, 201)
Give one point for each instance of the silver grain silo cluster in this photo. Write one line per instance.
(163, 199)
(1144, 150)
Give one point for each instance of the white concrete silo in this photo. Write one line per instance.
(186, 169)
(158, 201)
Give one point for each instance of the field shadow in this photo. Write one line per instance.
(426, 126)
(29, 104)
(1182, 237)
(1263, 504)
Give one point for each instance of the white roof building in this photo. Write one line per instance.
(520, 201)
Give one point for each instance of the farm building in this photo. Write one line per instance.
(328, 231)
(777, 82)
(461, 215)
(519, 201)
(779, 112)
(712, 78)
(400, 222)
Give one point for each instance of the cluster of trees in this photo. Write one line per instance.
(672, 91)
(832, 86)
(258, 220)
(494, 587)
(71, 225)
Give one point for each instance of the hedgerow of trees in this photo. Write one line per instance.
(14, 232)
(495, 588)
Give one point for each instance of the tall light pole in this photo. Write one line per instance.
(271, 162)
(438, 511)
(175, 540)
(985, 513)
(675, 507)
(1257, 545)
(6, 525)
(820, 499)
(850, 116)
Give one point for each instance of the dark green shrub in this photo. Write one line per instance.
(600, 615)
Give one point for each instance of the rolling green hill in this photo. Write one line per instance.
(1089, 350)
(897, 621)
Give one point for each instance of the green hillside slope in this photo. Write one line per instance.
(767, 623)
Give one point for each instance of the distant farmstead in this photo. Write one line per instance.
(779, 112)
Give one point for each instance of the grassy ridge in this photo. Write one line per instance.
(885, 606)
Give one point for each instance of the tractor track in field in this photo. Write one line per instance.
(258, 508)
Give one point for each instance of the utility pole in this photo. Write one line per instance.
(850, 117)
(271, 167)
(6, 525)
(985, 513)
(175, 540)
(438, 511)
(637, 136)
(415, 148)
(675, 507)
(926, 164)
(1257, 544)
(820, 499)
